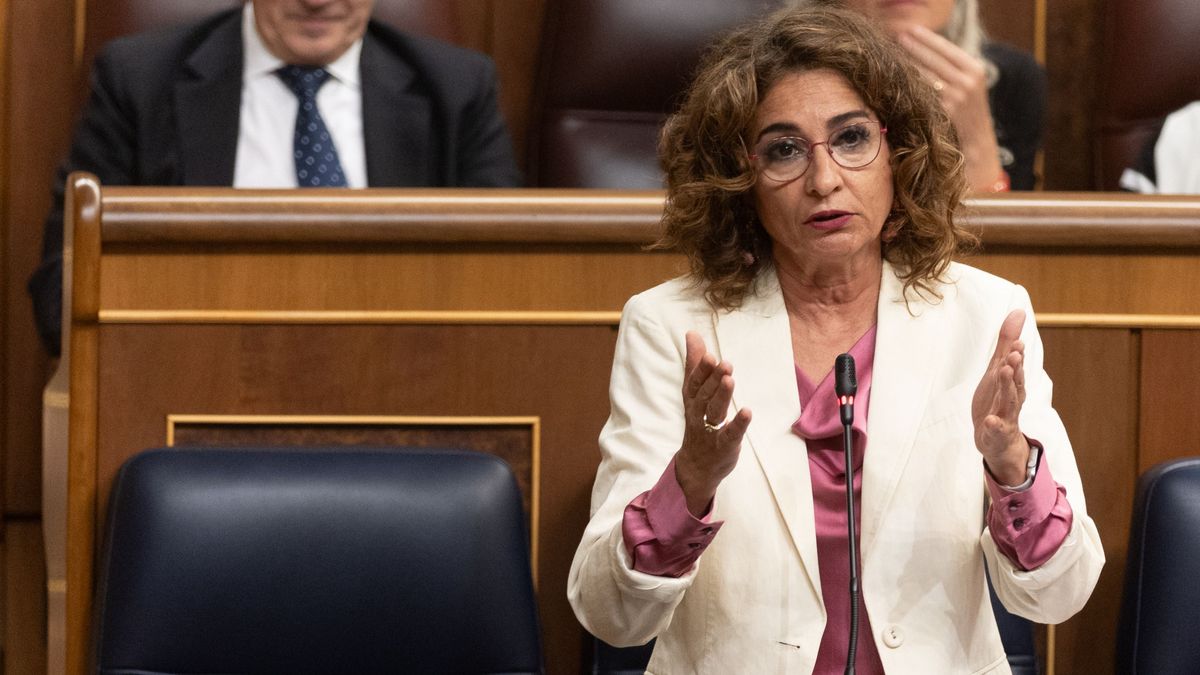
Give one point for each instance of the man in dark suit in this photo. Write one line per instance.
(213, 103)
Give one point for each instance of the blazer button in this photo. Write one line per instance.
(893, 637)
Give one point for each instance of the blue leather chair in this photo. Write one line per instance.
(1160, 608)
(322, 561)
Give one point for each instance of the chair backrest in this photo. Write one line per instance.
(347, 560)
(1160, 607)
(1151, 69)
(610, 72)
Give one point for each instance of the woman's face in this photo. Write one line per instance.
(898, 15)
(829, 215)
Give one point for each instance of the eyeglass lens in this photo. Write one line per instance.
(852, 147)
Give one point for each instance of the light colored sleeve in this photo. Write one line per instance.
(1059, 587)
(612, 600)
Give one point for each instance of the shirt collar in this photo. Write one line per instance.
(260, 62)
(819, 416)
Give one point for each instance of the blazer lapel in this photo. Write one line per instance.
(207, 106)
(757, 340)
(397, 123)
(905, 364)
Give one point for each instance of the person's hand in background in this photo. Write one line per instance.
(961, 82)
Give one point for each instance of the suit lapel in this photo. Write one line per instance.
(397, 123)
(757, 340)
(903, 372)
(207, 106)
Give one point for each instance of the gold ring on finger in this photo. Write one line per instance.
(713, 428)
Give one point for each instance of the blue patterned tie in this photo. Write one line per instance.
(317, 162)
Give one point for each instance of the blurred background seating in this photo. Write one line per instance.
(611, 71)
(1151, 67)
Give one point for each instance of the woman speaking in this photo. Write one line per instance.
(812, 183)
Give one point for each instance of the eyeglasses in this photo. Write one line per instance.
(786, 158)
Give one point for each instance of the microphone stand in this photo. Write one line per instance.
(846, 385)
(847, 411)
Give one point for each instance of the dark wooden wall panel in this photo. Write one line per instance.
(1011, 21)
(1170, 384)
(24, 607)
(1095, 373)
(36, 95)
(1073, 58)
(5, 547)
(40, 116)
(516, 27)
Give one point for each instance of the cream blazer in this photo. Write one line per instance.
(752, 603)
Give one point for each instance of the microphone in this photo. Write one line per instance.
(845, 385)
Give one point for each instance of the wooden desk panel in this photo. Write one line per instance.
(1083, 282)
(1170, 387)
(406, 277)
(1095, 377)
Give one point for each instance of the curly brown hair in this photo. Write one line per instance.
(709, 213)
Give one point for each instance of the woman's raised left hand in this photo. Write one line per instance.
(996, 406)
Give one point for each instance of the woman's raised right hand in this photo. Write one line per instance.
(711, 443)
